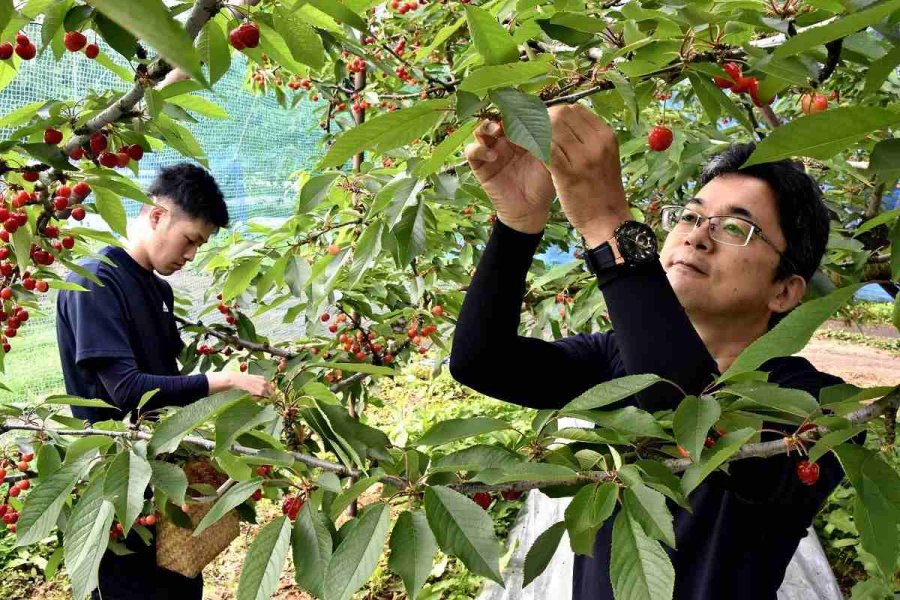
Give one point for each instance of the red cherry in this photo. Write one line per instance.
(482, 499)
(21, 38)
(6, 51)
(324, 317)
(660, 138)
(723, 82)
(91, 51)
(98, 143)
(6, 293)
(78, 213)
(733, 70)
(24, 484)
(333, 249)
(64, 191)
(74, 41)
(291, 507)
(135, 152)
(122, 158)
(42, 286)
(235, 39)
(150, 520)
(709, 442)
(22, 466)
(510, 495)
(26, 51)
(808, 472)
(52, 136)
(249, 34)
(108, 159)
(683, 452)
(742, 85)
(60, 203)
(11, 224)
(82, 189)
(76, 153)
(243, 367)
(14, 491)
(813, 103)
(437, 311)
(257, 495)
(2, 476)
(68, 242)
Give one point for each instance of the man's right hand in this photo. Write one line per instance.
(256, 385)
(517, 182)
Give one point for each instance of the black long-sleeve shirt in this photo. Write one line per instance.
(745, 526)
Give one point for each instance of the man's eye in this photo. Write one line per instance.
(688, 217)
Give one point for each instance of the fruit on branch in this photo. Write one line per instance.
(24, 48)
(30, 176)
(92, 51)
(245, 35)
(482, 499)
(52, 136)
(264, 470)
(135, 152)
(683, 452)
(76, 153)
(6, 51)
(437, 310)
(510, 495)
(291, 507)
(108, 159)
(78, 213)
(74, 41)
(808, 472)
(660, 138)
(98, 142)
(334, 249)
(813, 103)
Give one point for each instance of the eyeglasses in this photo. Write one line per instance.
(725, 229)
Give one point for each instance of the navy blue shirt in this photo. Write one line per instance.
(120, 340)
(746, 524)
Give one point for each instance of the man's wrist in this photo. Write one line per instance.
(601, 230)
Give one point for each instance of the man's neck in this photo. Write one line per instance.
(138, 252)
(726, 338)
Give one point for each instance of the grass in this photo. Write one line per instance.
(35, 353)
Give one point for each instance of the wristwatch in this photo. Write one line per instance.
(632, 245)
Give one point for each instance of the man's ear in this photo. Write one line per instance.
(790, 292)
(156, 215)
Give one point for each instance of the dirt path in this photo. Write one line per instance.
(854, 363)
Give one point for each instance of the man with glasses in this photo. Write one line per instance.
(738, 255)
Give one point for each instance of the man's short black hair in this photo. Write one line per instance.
(801, 213)
(193, 190)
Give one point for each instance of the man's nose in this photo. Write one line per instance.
(699, 236)
(191, 252)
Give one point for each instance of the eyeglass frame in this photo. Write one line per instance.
(754, 230)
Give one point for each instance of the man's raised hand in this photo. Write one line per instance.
(517, 183)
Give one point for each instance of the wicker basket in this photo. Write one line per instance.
(176, 548)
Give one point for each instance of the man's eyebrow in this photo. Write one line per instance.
(729, 209)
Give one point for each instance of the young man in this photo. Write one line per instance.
(119, 340)
(739, 253)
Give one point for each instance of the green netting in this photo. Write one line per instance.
(252, 155)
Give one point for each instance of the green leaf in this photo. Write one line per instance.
(168, 434)
(126, 480)
(235, 495)
(639, 567)
(48, 461)
(526, 121)
(476, 458)
(795, 402)
(541, 552)
(109, 205)
(609, 392)
(311, 545)
(146, 397)
(21, 115)
(86, 444)
(305, 45)
(368, 249)
(200, 105)
(822, 135)
(880, 69)
(832, 439)
(239, 278)
(816, 36)
(214, 51)
(152, 23)
(238, 418)
(629, 420)
(355, 368)
(451, 430)
(412, 551)
(337, 10)
(793, 332)
(118, 38)
(725, 447)
(885, 161)
(53, 20)
(315, 191)
(76, 401)
(492, 41)
(648, 507)
(394, 197)
(877, 522)
(356, 557)
(448, 146)
(86, 538)
(410, 231)
(464, 530)
(264, 561)
(385, 132)
(487, 78)
(693, 419)
(347, 497)
(528, 471)
(45, 501)
(708, 100)
(170, 479)
(51, 155)
(585, 515)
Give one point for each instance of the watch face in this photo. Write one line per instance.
(637, 242)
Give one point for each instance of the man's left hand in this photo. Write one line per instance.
(587, 172)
